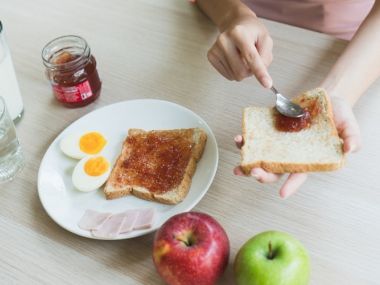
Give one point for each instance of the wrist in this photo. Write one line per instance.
(237, 11)
(334, 90)
(337, 97)
(342, 97)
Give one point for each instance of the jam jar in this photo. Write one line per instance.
(71, 69)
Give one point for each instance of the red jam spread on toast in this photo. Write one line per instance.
(288, 124)
(157, 162)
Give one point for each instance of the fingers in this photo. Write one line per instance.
(264, 177)
(218, 61)
(245, 43)
(292, 184)
(264, 47)
(239, 141)
(351, 144)
(235, 56)
(259, 174)
(259, 69)
(239, 69)
(348, 127)
(350, 133)
(238, 171)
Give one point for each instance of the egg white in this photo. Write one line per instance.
(69, 145)
(84, 182)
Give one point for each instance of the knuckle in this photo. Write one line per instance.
(211, 58)
(221, 39)
(249, 56)
(257, 71)
(240, 75)
(236, 31)
(211, 54)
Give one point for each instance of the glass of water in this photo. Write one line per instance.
(11, 157)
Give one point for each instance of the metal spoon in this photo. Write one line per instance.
(287, 107)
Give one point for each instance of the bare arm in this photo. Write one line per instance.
(359, 65)
(223, 11)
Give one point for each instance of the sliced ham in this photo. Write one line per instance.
(111, 228)
(144, 219)
(107, 225)
(92, 220)
(129, 221)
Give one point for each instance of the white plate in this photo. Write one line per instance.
(65, 205)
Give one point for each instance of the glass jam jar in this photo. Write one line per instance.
(71, 69)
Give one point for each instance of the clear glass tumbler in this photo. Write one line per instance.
(11, 156)
(9, 89)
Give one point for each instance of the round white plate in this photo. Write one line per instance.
(66, 205)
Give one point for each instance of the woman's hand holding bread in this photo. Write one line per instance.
(244, 48)
(348, 131)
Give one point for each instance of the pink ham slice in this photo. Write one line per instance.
(106, 225)
(111, 228)
(129, 221)
(144, 219)
(92, 220)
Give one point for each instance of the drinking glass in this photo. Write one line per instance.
(11, 156)
(9, 89)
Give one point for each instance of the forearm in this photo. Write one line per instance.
(222, 12)
(359, 65)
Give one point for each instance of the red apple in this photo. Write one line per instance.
(191, 249)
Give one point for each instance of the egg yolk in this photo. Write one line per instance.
(96, 166)
(92, 143)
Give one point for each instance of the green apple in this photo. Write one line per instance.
(272, 258)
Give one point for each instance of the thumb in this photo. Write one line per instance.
(351, 144)
(350, 133)
(347, 126)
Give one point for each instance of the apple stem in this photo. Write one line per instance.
(188, 240)
(270, 254)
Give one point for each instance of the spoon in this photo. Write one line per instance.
(287, 107)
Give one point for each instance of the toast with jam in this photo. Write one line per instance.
(280, 144)
(156, 165)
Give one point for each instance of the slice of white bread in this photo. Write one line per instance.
(317, 148)
(137, 166)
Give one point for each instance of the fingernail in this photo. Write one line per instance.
(237, 139)
(267, 82)
(284, 195)
(351, 149)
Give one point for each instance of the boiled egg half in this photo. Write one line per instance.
(80, 145)
(91, 172)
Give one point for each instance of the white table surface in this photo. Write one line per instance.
(157, 49)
